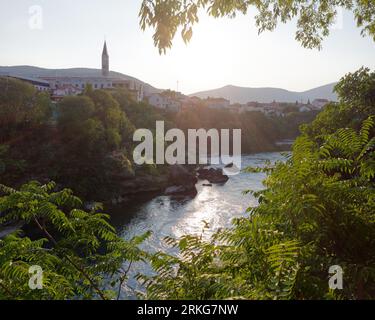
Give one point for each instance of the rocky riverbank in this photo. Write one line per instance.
(176, 180)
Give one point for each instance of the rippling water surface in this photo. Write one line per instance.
(176, 216)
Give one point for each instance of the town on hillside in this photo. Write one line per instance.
(61, 86)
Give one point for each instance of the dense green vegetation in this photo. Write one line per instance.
(21, 108)
(317, 209)
(77, 250)
(259, 132)
(85, 142)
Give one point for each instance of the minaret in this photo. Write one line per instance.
(105, 61)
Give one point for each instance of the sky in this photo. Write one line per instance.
(221, 52)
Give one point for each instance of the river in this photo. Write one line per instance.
(176, 216)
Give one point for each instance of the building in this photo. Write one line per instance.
(235, 108)
(190, 102)
(304, 108)
(164, 102)
(157, 100)
(320, 103)
(80, 83)
(217, 103)
(273, 109)
(63, 91)
(251, 107)
(39, 84)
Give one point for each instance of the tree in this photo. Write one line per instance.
(313, 17)
(141, 115)
(21, 107)
(7, 163)
(79, 252)
(74, 110)
(357, 102)
(24, 124)
(81, 132)
(95, 137)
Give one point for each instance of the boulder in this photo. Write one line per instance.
(212, 175)
(182, 180)
(144, 183)
(181, 190)
(180, 175)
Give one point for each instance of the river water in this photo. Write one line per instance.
(176, 216)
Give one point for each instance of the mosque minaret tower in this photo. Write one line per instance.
(105, 61)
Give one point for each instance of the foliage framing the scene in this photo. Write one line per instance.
(78, 251)
(314, 18)
(317, 211)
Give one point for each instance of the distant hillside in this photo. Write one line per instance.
(243, 94)
(29, 71)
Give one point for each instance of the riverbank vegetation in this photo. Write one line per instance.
(86, 143)
(317, 211)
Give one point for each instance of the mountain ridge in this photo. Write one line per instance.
(32, 72)
(237, 94)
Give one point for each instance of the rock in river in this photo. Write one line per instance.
(212, 175)
(181, 190)
(181, 176)
(182, 180)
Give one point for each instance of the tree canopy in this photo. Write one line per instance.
(314, 17)
(21, 107)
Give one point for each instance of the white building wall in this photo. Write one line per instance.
(320, 103)
(81, 83)
(161, 102)
(158, 101)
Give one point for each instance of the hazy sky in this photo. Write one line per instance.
(221, 52)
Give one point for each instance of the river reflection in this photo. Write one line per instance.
(176, 216)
